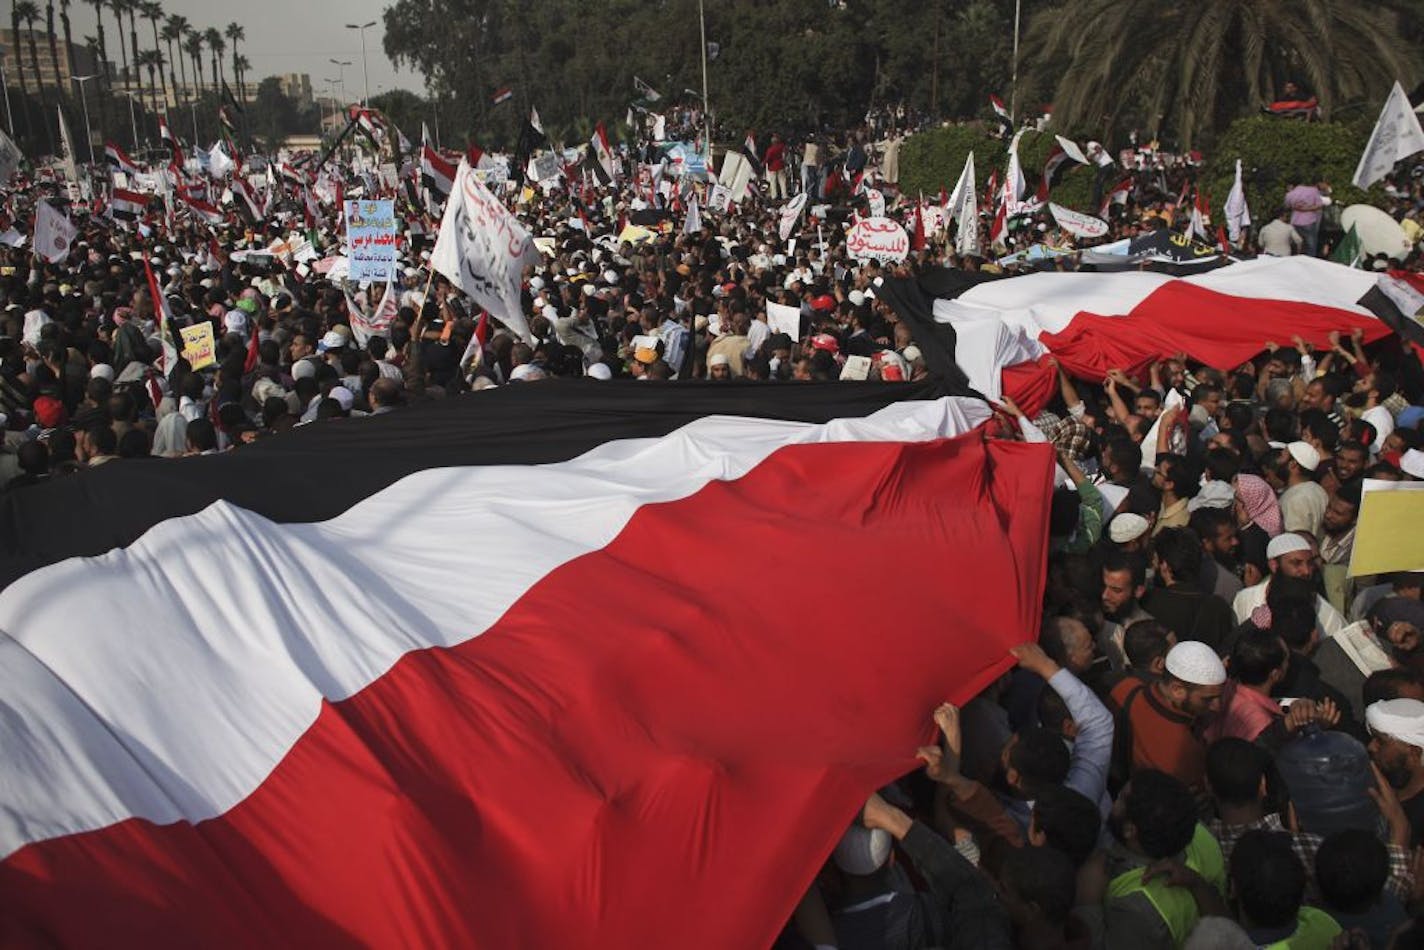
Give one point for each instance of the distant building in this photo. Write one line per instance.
(15, 55)
(296, 86)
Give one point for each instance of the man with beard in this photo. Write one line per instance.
(1216, 527)
(1124, 583)
(1397, 750)
(1159, 718)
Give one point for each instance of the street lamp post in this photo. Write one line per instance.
(9, 110)
(84, 98)
(133, 122)
(330, 94)
(341, 72)
(365, 67)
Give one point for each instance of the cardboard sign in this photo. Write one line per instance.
(878, 239)
(783, 319)
(1390, 525)
(199, 347)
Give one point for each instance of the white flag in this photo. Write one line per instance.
(790, 214)
(966, 241)
(1238, 216)
(10, 158)
(966, 182)
(484, 249)
(219, 165)
(1014, 183)
(53, 233)
(534, 120)
(66, 148)
(693, 223)
(1397, 135)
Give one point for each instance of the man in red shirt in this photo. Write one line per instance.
(1161, 717)
(775, 159)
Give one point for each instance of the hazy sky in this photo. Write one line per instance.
(283, 36)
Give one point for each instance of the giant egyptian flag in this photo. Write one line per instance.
(564, 663)
(1091, 322)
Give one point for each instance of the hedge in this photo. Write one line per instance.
(1274, 151)
(933, 159)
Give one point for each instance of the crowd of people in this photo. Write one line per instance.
(1218, 738)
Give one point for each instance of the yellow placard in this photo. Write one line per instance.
(199, 347)
(1390, 533)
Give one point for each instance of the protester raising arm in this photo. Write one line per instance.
(968, 801)
(976, 918)
(1092, 747)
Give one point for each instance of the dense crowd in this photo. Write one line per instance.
(1218, 739)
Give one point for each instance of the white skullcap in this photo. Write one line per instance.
(718, 359)
(344, 396)
(303, 369)
(1413, 463)
(525, 372)
(1402, 719)
(1192, 661)
(235, 322)
(1127, 527)
(1305, 455)
(911, 353)
(856, 298)
(588, 290)
(536, 282)
(1287, 543)
(862, 850)
(600, 371)
(550, 311)
(101, 371)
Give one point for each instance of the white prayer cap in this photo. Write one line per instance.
(1305, 455)
(600, 371)
(1403, 719)
(536, 282)
(911, 353)
(303, 369)
(862, 850)
(1127, 526)
(718, 359)
(588, 290)
(344, 396)
(856, 298)
(101, 371)
(610, 276)
(525, 372)
(1287, 543)
(1192, 661)
(550, 311)
(235, 322)
(1413, 463)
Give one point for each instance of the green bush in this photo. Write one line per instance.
(933, 159)
(1273, 151)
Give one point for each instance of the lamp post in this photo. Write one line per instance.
(365, 67)
(84, 98)
(330, 94)
(133, 122)
(341, 72)
(9, 110)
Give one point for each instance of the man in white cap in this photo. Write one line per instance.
(1397, 749)
(1129, 531)
(1303, 501)
(1290, 555)
(1161, 715)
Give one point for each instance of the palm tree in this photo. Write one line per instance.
(64, 23)
(53, 46)
(1186, 68)
(216, 45)
(117, 6)
(131, 8)
(173, 29)
(15, 11)
(240, 68)
(152, 61)
(101, 54)
(29, 13)
(193, 46)
(236, 34)
(152, 11)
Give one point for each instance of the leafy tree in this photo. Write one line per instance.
(274, 114)
(1184, 69)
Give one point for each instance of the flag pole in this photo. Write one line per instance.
(706, 111)
(1014, 82)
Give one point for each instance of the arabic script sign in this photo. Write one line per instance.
(878, 239)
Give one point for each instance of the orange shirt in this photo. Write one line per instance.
(1162, 738)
